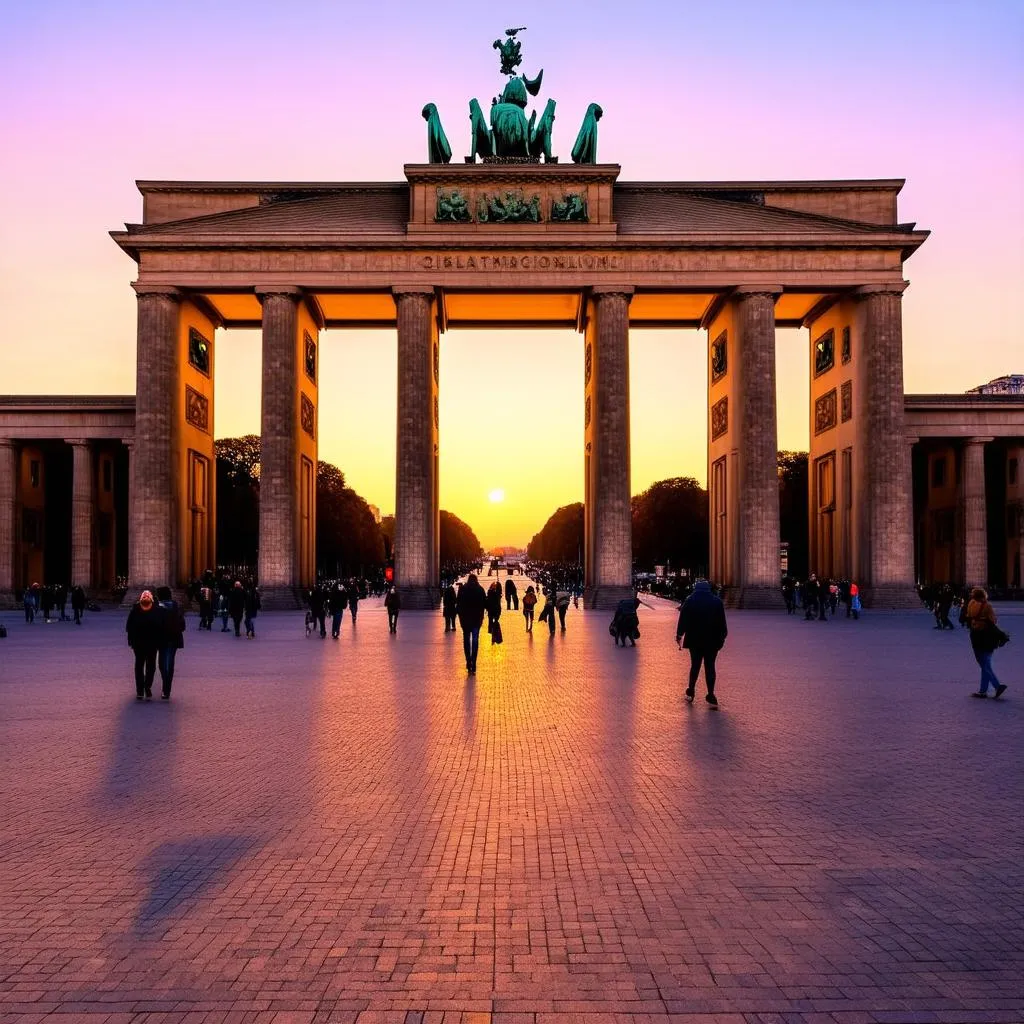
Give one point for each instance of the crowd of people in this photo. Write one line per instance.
(50, 602)
(156, 623)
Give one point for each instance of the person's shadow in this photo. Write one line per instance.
(143, 751)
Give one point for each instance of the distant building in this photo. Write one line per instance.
(1011, 384)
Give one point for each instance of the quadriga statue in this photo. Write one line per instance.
(481, 142)
(540, 134)
(508, 121)
(585, 150)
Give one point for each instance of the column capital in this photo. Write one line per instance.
(978, 440)
(128, 442)
(286, 290)
(166, 291)
(78, 442)
(910, 439)
(604, 291)
(865, 291)
(401, 290)
(7, 442)
(747, 290)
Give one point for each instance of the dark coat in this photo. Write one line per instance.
(174, 625)
(146, 630)
(338, 600)
(236, 602)
(448, 600)
(494, 602)
(471, 604)
(393, 602)
(702, 620)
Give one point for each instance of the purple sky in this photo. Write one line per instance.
(95, 96)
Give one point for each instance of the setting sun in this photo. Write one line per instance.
(496, 495)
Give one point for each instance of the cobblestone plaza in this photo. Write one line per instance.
(352, 831)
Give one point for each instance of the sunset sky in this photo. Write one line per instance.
(96, 95)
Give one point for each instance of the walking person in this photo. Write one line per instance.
(145, 629)
(47, 602)
(511, 595)
(529, 603)
(236, 606)
(986, 637)
(78, 604)
(702, 631)
(855, 605)
(173, 638)
(353, 599)
(393, 604)
(338, 599)
(252, 609)
(494, 611)
(562, 599)
(30, 601)
(626, 623)
(225, 611)
(205, 607)
(470, 607)
(547, 613)
(448, 601)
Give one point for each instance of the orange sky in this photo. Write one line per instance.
(94, 96)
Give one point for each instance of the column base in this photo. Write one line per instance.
(758, 597)
(606, 597)
(419, 598)
(890, 596)
(8, 602)
(281, 599)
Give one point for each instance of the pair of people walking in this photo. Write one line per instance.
(155, 635)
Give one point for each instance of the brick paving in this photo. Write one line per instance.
(348, 831)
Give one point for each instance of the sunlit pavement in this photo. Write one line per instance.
(315, 830)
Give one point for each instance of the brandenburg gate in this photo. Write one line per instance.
(511, 237)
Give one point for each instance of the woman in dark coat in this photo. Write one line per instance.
(145, 629)
(448, 601)
(494, 601)
(626, 623)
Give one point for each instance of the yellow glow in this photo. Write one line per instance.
(496, 496)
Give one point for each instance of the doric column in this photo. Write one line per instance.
(416, 512)
(279, 496)
(757, 503)
(974, 512)
(155, 484)
(8, 487)
(611, 576)
(883, 485)
(83, 502)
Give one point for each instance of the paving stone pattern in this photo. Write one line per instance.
(350, 831)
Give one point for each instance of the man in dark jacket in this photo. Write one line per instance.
(145, 628)
(702, 631)
(470, 606)
(173, 638)
(78, 603)
(448, 602)
(236, 605)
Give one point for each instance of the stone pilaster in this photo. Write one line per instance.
(416, 511)
(154, 498)
(612, 573)
(8, 488)
(882, 490)
(279, 445)
(83, 504)
(757, 506)
(972, 499)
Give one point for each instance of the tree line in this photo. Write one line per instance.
(670, 523)
(349, 540)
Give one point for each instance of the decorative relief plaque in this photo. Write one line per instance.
(199, 351)
(307, 416)
(310, 356)
(825, 412)
(825, 353)
(437, 413)
(586, 414)
(847, 345)
(719, 356)
(437, 365)
(720, 418)
(588, 364)
(197, 409)
(846, 400)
